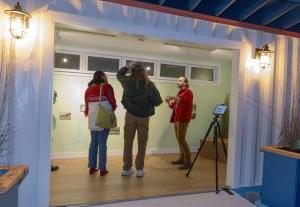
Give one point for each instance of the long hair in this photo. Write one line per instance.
(186, 82)
(139, 72)
(97, 78)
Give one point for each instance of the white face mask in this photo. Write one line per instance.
(180, 82)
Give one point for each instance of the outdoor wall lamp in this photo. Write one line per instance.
(264, 56)
(19, 21)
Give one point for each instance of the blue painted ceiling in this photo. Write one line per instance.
(279, 14)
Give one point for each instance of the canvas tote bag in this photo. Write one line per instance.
(104, 117)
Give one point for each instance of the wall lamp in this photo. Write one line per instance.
(264, 56)
(19, 21)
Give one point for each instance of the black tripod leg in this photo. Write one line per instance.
(200, 148)
(216, 158)
(222, 139)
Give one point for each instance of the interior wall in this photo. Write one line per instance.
(71, 137)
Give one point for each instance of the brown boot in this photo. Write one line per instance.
(177, 162)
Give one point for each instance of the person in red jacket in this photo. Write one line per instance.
(182, 112)
(98, 135)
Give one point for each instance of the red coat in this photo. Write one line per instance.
(182, 111)
(93, 92)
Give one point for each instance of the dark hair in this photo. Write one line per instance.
(97, 78)
(139, 72)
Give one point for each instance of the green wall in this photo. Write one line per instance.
(72, 136)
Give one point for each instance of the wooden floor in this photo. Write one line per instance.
(72, 184)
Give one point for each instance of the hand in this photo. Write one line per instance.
(167, 99)
(129, 66)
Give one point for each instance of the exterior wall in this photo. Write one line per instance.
(258, 97)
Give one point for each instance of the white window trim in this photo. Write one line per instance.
(102, 56)
(83, 67)
(81, 61)
(124, 59)
(216, 74)
(169, 79)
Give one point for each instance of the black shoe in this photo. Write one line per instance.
(185, 166)
(54, 168)
(177, 162)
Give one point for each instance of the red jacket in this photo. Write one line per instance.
(92, 94)
(182, 111)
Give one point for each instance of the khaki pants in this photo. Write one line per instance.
(180, 132)
(133, 124)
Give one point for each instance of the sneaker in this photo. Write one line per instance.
(140, 173)
(185, 166)
(127, 172)
(103, 172)
(92, 171)
(177, 162)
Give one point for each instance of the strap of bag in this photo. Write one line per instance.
(100, 92)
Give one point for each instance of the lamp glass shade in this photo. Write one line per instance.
(19, 21)
(18, 25)
(265, 59)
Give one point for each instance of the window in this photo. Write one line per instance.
(172, 70)
(199, 73)
(67, 61)
(105, 64)
(149, 66)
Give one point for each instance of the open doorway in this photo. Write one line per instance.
(78, 53)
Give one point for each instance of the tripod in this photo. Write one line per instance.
(217, 129)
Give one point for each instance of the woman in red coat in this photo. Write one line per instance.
(98, 135)
(182, 106)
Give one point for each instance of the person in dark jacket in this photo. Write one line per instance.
(182, 106)
(140, 96)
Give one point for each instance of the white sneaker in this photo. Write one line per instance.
(140, 173)
(127, 172)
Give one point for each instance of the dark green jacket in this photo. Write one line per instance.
(138, 99)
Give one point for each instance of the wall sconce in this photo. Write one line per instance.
(264, 56)
(19, 21)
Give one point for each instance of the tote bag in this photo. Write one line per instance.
(105, 118)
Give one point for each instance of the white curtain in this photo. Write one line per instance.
(31, 108)
(7, 58)
(263, 100)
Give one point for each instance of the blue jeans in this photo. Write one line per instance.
(98, 141)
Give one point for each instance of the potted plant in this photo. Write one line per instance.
(10, 176)
(281, 170)
(290, 130)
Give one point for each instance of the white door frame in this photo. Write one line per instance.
(233, 143)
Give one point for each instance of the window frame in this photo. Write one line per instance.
(124, 59)
(216, 74)
(81, 61)
(83, 67)
(100, 55)
(170, 79)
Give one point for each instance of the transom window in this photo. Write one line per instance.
(172, 70)
(67, 61)
(106, 64)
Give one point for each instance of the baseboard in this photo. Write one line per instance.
(84, 154)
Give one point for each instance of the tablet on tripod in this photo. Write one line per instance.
(220, 109)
